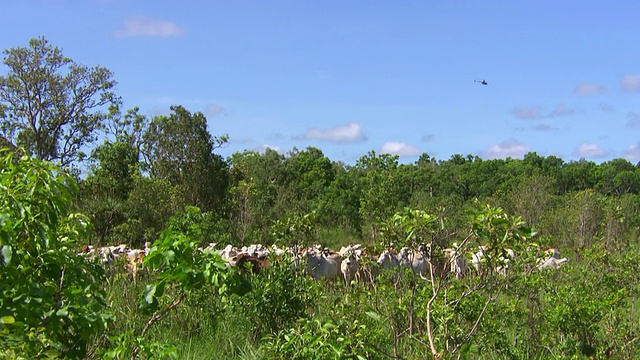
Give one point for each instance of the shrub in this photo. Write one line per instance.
(50, 298)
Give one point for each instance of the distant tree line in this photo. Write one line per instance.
(150, 169)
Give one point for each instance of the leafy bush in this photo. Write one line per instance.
(318, 339)
(280, 296)
(51, 301)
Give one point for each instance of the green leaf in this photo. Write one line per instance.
(468, 349)
(7, 320)
(149, 293)
(169, 255)
(62, 312)
(499, 221)
(149, 302)
(373, 315)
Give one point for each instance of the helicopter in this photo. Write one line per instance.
(483, 81)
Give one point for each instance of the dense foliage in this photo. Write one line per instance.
(51, 299)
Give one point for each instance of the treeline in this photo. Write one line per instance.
(150, 169)
(131, 197)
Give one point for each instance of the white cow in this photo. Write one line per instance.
(476, 258)
(457, 262)
(228, 252)
(278, 251)
(414, 260)
(419, 263)
(134, 261)
(552, 263)
(349, 267)
(352, 248)
(388, 259)
(551, 260)
(501, 261)
(321, 265)
(506, 255)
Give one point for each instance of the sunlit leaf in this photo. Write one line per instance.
(6, 252)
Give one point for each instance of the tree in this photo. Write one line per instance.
(578, 175)
(532, 197)
(242, 196)
(129, 128)
(103, 194)
(310, 173)
(180, 149)
(50, 105)
(379, 188)
(339, 205)
(257, 180)
(147, 210)
(584, 213)
(617, 177)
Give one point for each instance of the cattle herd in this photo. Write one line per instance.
(351, 264)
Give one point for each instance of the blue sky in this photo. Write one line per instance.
(348, 77)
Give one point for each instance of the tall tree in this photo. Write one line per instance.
(104, 192)
(180, 149)
(50, 105)
(532, 198)
(257, 180)
(128, 128)
(585, 214)
(617, 177)
(380, 197)
(309, 173)
(339, 204)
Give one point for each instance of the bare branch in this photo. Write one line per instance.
(476, 325)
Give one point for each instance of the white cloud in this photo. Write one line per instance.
(631, 83)
(399, 148)
(146, 26)
(561, 110)
(510, 148)
(528, 113)
(633, 152)
(589, 150)
(351, 132)
(263, 148)
(588, 89)
(633, 119)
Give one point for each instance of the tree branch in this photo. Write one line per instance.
(476, 325)
(157, 316)
(436, 290)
